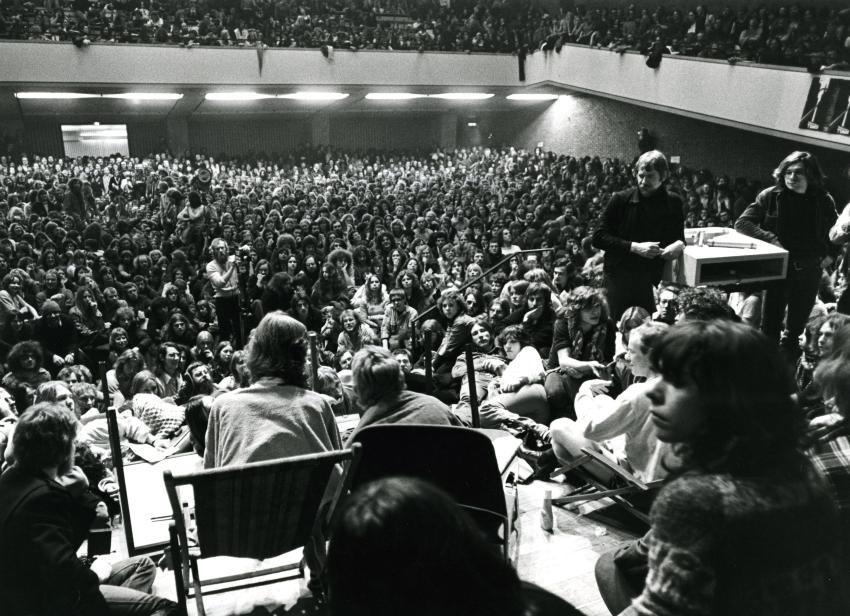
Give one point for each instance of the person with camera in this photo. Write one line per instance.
(224, 278)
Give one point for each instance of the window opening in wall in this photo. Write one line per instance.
(95, 139)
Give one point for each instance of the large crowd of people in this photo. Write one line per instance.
(792, 35)
(180, 291)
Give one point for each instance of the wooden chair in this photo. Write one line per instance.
(461, 461)
(256, 510)
(596, 490)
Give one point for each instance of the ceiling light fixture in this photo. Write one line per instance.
(146, 96)
(531, 97)
(54, 95)
(462, 96)
(314, 96)
(393, 96)
(236, 96)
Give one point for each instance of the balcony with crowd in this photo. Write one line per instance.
(810, 36)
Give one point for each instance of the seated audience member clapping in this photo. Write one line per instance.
(277, 416)
(601, 418)
(45, 513)
(445, 567)
(380, 390)
(747, 526)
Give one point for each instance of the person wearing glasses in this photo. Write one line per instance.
(397, 321)
(796, 214)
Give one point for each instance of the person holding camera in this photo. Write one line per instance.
(224, 278)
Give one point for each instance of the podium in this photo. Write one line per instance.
(726, 258)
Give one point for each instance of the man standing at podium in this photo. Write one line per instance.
(796, 214)
(641, 228)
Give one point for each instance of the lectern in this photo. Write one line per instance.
(726, 257)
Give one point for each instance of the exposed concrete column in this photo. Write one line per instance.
(177, 134)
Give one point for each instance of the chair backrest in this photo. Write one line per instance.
(261, 509)
(461, 461)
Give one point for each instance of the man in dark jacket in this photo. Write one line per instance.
(797, 215)
(45, 513)
(641, 228)
(57, 335)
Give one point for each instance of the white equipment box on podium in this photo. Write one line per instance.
(726, 257)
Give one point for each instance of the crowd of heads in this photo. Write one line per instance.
(811, 36)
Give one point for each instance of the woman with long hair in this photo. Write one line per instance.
(582, 344)
(720, 540)
(178, 330)
(410, 283)
(371, 300)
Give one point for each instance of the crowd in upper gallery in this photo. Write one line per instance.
(808, 35)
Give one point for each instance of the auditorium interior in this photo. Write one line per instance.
(424, 307)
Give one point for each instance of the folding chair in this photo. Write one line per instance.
(461, 461)
(596, 490)
(255, 510)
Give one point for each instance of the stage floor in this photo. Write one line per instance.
(561, 562)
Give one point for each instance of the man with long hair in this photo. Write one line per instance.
(277, 416)
(796, 214)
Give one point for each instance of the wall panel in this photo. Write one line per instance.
(240, 137)
(391, 131)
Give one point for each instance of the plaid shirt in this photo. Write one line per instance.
(830, 453)
(396, 324)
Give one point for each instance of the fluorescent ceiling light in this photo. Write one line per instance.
(462, 96)
(472, 124)
(314, 96)
(393, 96)
(532, 97)
(236, 96)
(146, 96)
(54, 95)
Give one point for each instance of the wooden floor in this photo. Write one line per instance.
(561, 562)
